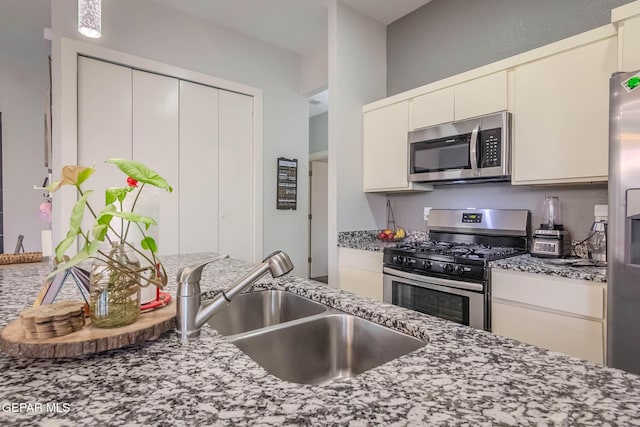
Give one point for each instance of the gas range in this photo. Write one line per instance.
(448, 276)
(447, 258)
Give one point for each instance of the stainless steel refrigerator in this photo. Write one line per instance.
(623, 248)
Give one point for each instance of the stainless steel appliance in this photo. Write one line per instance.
(468, 150)
(448, 275)
(623, 249)
(551, 240)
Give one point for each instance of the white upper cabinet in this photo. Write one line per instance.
(432, 108)
(476, 97)
(627, 18)
(561, 115)
(385, 148)
(630, 44)
(484, 95)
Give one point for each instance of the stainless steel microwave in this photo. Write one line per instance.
(476, 149)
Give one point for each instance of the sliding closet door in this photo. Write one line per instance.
(104, 125)
(236, 166)
(198, 168)
(155, 143)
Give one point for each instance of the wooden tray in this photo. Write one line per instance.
(88, 340)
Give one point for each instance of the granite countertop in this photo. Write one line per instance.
(367, 240)
(553, 267)
(462, 377)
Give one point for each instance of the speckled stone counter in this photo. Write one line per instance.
(367, 240)
(553, 267)
(462, 377)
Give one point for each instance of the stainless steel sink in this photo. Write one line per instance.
(324, 348)
(261, 309)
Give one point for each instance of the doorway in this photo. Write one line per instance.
(318, 221)
(318, 187)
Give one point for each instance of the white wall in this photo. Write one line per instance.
(357, 76)
(154, 31)
(23, 83)
(318, 132)
(314, 70)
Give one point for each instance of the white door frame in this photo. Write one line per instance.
(65, 54)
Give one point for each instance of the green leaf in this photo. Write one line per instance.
(77, 213)
(84, 174)
(116, 193)
(131, 217)
(99, 231)
(54, 186)
(149, 244)
(140, 173)
(64, 245)
(86, 252)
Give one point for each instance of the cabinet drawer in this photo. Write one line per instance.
(572, 296)
(577, 337)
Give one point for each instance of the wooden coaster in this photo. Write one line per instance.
(52, 320)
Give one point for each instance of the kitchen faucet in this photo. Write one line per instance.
(191, 315)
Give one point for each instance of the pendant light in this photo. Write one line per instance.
(89, 18)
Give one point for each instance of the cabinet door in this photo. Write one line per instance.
(360, 272)
(198, 168)
(570, 335)
(480, 96)
(155, 143)
(629, 35)
(104, 125)
(432, 108)
(385, 147)
(561, 116)
(236, 162)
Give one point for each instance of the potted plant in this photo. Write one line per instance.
(116, 271)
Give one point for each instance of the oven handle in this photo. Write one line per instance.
(473, 149)
(435, 280)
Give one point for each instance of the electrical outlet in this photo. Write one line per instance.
(425, 214)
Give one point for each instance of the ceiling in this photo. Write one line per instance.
(295, 25)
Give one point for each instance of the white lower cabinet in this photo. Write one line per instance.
(564, 315)
(360, 272)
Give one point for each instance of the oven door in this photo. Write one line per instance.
(466, 303)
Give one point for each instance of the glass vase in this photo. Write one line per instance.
(115, 289)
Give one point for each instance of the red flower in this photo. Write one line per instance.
(131, 182)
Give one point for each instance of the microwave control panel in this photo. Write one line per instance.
(490, 147)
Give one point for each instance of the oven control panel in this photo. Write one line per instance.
(427, 267)
(472, 218)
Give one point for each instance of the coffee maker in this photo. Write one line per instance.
(597, 240)
(551, 240)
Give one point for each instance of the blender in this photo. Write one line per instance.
(551, 240)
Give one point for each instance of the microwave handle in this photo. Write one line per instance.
(473, 150)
